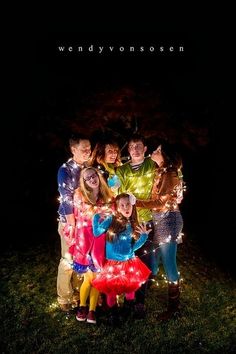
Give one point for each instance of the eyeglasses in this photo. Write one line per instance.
(94, 175)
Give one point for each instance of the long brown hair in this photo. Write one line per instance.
(98, 154)
(119, 222)
(171, 156)
(104, 192)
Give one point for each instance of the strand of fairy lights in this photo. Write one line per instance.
(88, 211)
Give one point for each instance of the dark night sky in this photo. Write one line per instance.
(50, 92)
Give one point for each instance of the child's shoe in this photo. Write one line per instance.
(81, 314)
(91, 318)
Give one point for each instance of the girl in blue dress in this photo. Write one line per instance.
(123, 272)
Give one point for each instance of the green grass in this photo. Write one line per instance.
(31, 321)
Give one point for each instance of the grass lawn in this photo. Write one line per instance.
(31, 321)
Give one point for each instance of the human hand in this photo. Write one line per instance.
(142, 229)
(104, 212)
(68, 232)
(114, 182)
(179, 199)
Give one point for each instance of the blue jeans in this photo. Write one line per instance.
(166, 254)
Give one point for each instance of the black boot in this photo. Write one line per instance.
(113, 316)
(127, 309)
(139, 311)
(173, 302)
(173, 297)
(139, 307)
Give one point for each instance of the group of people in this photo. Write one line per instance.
(117, 223)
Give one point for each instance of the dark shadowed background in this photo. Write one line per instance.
(179, 97)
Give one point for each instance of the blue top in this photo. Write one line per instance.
(123, 246)
(68, 180)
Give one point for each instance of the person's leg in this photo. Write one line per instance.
(85, 289)
(84, 293)
(113, 315)
(154, 260)
(93, 299)
(128, 305)
(76, 282)
(173, 297)
(158, 259)
(111, 299)
(168, 254)
(146, 255)
(64, 275)
(148, 252)
(94, 293)
(153, 263)
(130, 296)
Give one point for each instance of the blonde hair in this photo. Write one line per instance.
(104, 194)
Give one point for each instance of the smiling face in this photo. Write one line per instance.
(124, 207)
(81, 151)
(91, 178)
(111, 152)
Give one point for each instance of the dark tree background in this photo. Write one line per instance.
(179, 98)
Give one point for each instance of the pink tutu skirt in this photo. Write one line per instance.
(121, 276)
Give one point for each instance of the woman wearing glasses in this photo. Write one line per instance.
(93, 196)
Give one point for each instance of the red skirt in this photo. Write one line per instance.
(121, 276)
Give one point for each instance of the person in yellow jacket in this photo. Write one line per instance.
(136, 176)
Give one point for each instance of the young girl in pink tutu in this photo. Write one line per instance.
(123, 272)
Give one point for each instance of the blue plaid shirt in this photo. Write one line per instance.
(68, 180)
